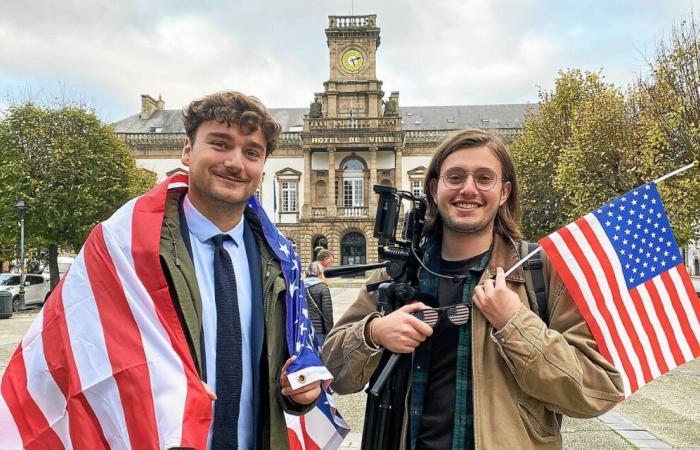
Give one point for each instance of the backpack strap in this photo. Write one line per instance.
(534, 281)
(536, 288)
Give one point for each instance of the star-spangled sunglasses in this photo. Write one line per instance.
(457, 314)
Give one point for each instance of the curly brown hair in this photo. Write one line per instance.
(507, 220)
(232, 108)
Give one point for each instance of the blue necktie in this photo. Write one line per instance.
(229, 350)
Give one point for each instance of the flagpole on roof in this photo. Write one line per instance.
(657, 181)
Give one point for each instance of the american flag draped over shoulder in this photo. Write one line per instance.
(625, 272)
(106, 363)
(322, 427)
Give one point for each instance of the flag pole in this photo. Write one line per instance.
(658, 180)
(519, 263)
(675, 172)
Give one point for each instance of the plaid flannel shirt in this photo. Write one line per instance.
(463, 426)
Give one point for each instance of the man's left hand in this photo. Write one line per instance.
(496, 301)
(304, 395)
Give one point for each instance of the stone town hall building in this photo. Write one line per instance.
(318, 183)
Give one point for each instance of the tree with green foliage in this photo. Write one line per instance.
(588, 143)
(668, 111)
(656, 156)
(670, 96)
(597, 164)
(546, 134)
(71, 170)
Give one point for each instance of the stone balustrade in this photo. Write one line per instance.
(385, 123)
(369, 21)
(356, 211)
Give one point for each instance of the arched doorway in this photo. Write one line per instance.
(353, 249)
(316, 243)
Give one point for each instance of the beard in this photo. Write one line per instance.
(460, 225)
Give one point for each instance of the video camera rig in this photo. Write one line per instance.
(401, 259)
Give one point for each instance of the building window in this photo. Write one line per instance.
(417, 188)
(353, 193)
(415, 180)
(353, 249)
(286, 193)
(353, 183)
(289, 196)
(156, 129)
(353, 164)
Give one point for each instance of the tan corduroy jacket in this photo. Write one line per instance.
(522, 374)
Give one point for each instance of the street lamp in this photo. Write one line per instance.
(21, 211)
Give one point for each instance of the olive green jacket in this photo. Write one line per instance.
(180, 273)
(522, 374)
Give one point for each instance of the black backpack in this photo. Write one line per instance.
(536, 287)
(534, 280)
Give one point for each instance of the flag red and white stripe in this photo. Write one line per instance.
(106, 363)
(623, 269)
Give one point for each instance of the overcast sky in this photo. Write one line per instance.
(441, 52)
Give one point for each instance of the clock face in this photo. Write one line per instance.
(352, 60)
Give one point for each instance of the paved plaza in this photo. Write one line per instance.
(663, 414)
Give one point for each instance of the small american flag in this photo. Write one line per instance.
(106, 362)
(625, 272)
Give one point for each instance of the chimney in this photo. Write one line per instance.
(149, 105)
(395, 96)
(160, 104)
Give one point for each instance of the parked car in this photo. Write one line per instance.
(64, 263)
(36, 289)
(696, 285)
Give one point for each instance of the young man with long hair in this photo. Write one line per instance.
(489, 373)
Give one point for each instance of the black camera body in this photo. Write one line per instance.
(398, 253)
(401, 254)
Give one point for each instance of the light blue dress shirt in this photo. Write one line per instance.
(201, 230)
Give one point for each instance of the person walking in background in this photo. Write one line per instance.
(325, 257)
(319, 300)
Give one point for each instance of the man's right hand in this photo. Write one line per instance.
(400, 332)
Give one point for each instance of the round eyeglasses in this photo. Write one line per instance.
(484, 179)
(457, 314)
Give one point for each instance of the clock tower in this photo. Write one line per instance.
(352, 89)
(351, 141)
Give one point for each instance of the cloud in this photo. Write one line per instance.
(447, 52)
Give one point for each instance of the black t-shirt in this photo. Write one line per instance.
(439, 403)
